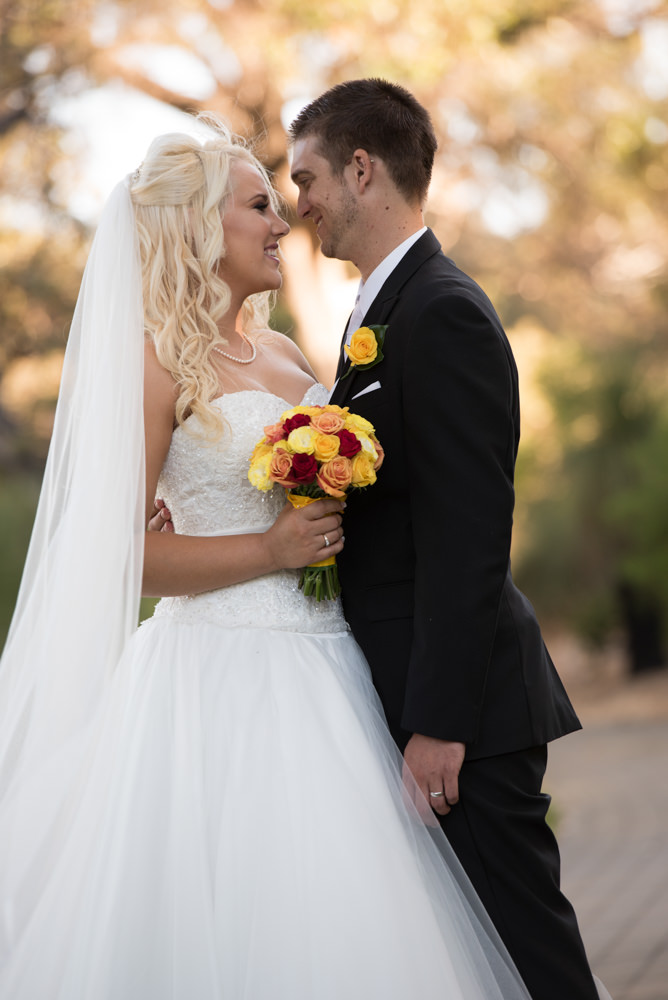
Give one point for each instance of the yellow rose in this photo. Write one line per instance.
(310, 411)
(363, 347)
(326, 447)
(261, 449)
(355, 423)
(301, 440)
(368, 447)
(364, 473)
(258, 473)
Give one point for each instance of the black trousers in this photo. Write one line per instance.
(508, 851)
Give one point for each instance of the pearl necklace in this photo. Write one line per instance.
(239, 361)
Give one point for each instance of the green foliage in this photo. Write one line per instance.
(146, 607)
(38, 287)
(18, 501)
(601, 523)
(639, 513)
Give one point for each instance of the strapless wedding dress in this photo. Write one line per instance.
(236, 822)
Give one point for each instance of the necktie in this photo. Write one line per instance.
(356, 318)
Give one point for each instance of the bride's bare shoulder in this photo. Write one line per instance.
(286, 347)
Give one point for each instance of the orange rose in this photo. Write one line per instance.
(280, 468)
(381, 454)
(275, 432)
(327, 423)
(336, 476)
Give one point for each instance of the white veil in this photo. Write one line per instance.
(79, 595)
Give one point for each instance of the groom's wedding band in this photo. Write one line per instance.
(436, 795)
(327, 541)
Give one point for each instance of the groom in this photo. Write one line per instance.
(470, 692)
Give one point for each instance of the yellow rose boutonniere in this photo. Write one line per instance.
(366, 347)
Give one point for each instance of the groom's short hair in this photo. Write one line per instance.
(378, 116)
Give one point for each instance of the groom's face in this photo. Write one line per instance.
(325, 198)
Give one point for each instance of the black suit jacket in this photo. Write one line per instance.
(454, 647)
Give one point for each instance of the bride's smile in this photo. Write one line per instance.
(251, 230)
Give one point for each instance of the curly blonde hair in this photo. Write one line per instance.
(179, 195)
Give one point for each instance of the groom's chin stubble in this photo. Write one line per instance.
(326, 248)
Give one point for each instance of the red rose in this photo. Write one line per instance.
(304, 468)
(292, 423)
(350, 444)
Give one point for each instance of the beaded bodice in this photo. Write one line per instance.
(206, 487)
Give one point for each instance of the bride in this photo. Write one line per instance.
(209, 806)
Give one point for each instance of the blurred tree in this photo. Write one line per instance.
(639, 513)
(596, 545)
(549, 187)
(551, 180)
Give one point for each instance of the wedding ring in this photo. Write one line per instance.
(327, 541)
(436, 795)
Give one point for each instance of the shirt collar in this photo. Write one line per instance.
(369, 289)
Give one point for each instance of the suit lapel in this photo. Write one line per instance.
(380, 309)
(343, 357)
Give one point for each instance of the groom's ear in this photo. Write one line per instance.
(363, 167)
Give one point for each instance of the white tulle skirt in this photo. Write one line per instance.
(233, 826)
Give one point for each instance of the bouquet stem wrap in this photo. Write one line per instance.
(321, 579)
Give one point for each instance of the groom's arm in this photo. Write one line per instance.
(460, 439)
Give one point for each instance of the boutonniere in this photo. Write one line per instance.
(366, 347)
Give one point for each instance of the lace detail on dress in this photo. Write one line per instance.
(206, 487)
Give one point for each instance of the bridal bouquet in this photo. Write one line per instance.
(316, 452)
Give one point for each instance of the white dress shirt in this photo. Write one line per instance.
(368, 290)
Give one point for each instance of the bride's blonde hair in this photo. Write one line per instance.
(179, 195)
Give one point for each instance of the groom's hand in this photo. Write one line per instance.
(435, 766)
(161, 518)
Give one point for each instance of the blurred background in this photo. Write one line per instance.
(550, 188)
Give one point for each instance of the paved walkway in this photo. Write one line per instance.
(609, 785)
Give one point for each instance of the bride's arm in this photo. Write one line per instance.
(182, 564)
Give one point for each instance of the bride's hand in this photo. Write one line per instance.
(297, 537)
